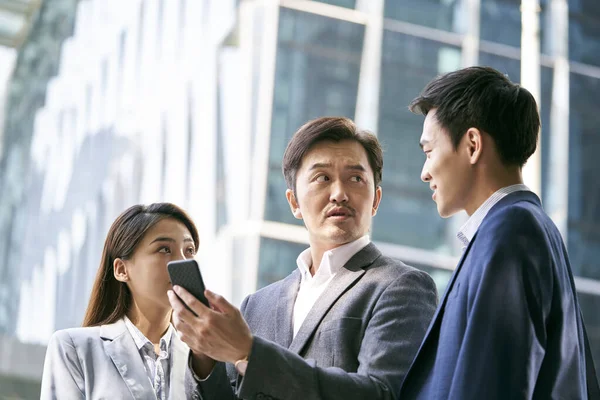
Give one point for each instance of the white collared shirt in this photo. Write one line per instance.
(311, 287)
(468, 230)
(158, 367)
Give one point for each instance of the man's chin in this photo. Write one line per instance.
(445, 212)
(340, 236)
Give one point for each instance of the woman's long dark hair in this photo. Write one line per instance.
(111, 299)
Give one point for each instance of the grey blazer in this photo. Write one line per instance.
(357, 341)
(103, 362)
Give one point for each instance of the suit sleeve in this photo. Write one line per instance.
(63, 377)
(398, 323)
(216, 386)
(509, 298)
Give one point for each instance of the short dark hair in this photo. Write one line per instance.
(110, 299)
(333, 129)
(483, 98)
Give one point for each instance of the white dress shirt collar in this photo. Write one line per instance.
(312, 287)
(141, 340)
(468, 230)
(333, 260)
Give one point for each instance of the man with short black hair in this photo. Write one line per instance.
(509, 325)
(347, 322)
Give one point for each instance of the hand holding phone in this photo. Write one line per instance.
(186, 273)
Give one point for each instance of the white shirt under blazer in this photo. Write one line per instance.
(311, 287)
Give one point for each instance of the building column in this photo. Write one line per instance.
(470, 47)
(557, 194)
(530, 79)
(367, 101)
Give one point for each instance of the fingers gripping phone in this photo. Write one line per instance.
(186, 273)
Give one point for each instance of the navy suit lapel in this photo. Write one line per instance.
(433, 325)
(450, 286)
(285, 309)
(507, 200)
(121, 348)
(347, 275)
(436, 320)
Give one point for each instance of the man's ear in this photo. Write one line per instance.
(474, 144)
(120, 270)
(294, 206)
(376, 201)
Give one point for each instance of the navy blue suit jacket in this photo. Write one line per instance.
(509, 325)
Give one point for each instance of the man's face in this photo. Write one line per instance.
(447, 170)
(335, 191)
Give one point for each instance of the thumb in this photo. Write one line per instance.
(218, 302)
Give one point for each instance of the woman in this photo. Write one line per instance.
(128, 347)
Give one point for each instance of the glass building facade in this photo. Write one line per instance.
(194, 102)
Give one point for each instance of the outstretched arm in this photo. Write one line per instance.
(391, 339)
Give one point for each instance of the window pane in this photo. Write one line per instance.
(546, 109)
(590, 304)
(341, 3)
(584, 185)
(318, 64)
(501, 22)
(277, 260)
(407, 214)
(448, 15)
(584, 31)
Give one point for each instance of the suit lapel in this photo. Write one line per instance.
(347, 275)
(436, 320)
(506, 200)
(121, 348)
(285, 308)
(453, 278)
(180, 353)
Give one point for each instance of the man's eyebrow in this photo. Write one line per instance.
(355, 167)
(320, 165)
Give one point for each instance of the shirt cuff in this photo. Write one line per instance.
(196, 377)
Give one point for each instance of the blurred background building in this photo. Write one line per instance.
(109, 103)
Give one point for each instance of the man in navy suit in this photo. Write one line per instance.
(509, 325)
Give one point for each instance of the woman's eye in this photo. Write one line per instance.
(322, 178)
(164, 249)
(191, 251)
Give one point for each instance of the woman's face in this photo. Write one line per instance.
(146, 271)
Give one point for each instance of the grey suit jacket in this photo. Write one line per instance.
(103, 362)
(357, 342)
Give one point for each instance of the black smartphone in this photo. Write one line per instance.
(186, 273)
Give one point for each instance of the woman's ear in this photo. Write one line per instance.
(120, 270)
